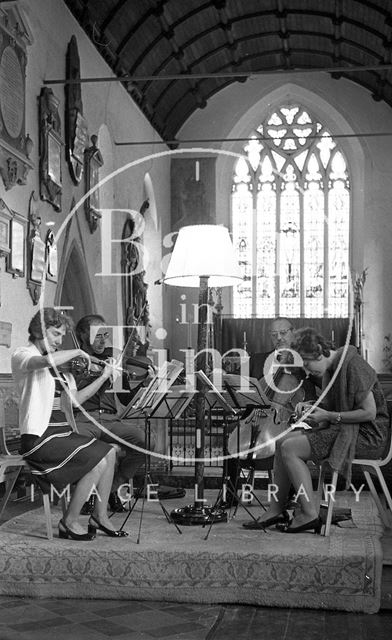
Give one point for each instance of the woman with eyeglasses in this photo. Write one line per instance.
(350, 421)
(57, 455)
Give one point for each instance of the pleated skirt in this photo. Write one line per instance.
(61, 457)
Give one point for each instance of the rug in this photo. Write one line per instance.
(233, 565)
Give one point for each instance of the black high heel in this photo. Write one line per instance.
(89, 506)
(314, 525)
(281, 518)
(115, 503)
(65, 532)
(92, 528)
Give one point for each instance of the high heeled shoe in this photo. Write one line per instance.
(282, 518)
(93, 526)
(115, 503)
(65, 532)
(313, 525)
(89, 506)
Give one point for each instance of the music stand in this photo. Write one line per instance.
(247, 394)
(151, 396)
(144, 405)
(245, 391)
(190, 514)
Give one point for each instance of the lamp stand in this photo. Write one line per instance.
(199, 513)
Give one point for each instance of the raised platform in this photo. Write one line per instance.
(233, 566)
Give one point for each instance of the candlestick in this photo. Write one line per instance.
(189, 326)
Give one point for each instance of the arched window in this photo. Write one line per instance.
(291, 219)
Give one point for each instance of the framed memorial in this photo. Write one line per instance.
(16, 260)
(93, 161)
(36, 252)
(15, 144)
(50, 145)
(76, 134)
(5, 228)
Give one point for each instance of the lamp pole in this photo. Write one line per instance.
(200, 400)
(199, 513)
(202, 255)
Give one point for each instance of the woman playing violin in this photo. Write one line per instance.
(57, 455)
(93, 335)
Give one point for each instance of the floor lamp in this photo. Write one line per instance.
(203, 257)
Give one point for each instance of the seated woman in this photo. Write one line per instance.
(351, 422)
(57, 455)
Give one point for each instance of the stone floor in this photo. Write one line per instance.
(26, 619)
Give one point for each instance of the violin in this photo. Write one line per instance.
(137, 367)
(80, 365)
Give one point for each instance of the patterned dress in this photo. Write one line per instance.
(61, 456)
(354, 381)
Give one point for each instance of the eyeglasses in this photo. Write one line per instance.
(102, 336)
(283, 333)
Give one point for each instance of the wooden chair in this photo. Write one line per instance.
(11, 465)
(368, 467)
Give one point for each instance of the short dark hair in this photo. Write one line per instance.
(85, 323)
(308, 342)
(48, 317)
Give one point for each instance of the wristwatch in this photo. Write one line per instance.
(338, 418)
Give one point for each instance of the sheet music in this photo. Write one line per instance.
(148, 398)
(300, 425)
(213, 389)
(236, 386)
(176, 401)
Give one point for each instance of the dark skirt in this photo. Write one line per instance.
(370, 444)
(61, 457)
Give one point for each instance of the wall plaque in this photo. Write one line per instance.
(5, 229)
(36, 252)
(15, 145)
(93, 162)
(76, 134)
(16, 261)
(50, 145)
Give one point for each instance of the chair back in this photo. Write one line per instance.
(388, 456)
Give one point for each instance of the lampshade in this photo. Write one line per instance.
(203, 250)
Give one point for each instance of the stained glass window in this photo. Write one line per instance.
(291, 220)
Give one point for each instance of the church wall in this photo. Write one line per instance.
(344, 107)
(113, 116)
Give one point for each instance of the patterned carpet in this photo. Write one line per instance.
(233, 566)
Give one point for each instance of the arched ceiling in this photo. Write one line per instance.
(222, 38)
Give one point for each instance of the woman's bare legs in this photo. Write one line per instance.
(99, 477)
(103, 489)
(290, 468)
(294, 454)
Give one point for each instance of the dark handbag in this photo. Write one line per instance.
(339, 514)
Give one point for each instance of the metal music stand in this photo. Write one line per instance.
(242, 399)
(196, 514)
(168, 405)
